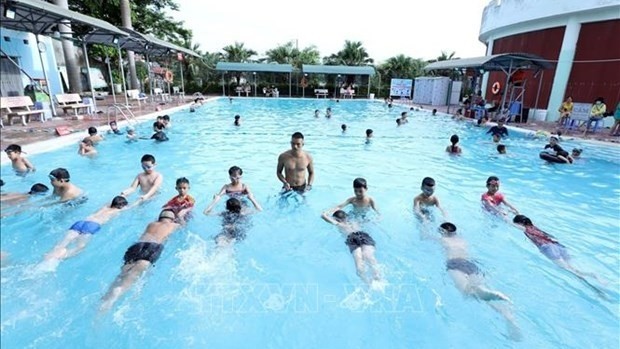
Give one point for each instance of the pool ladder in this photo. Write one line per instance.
(124, 110)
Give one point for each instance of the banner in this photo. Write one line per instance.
(401, 87)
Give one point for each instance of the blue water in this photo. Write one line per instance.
(291, 283)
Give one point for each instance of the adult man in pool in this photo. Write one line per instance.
(141, 255)
(295, 162)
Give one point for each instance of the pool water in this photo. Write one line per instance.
(291, 283)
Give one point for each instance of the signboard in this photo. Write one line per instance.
(401, 87)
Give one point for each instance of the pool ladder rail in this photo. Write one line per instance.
(124, 110)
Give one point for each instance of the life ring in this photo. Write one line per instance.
(552, 158)
(169, 77)
(496, 87)
(303, 83)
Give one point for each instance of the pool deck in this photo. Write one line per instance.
(44, 133)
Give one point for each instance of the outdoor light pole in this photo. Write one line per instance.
(303, 88)
(254, 73)
(120, 63)
(337, 87)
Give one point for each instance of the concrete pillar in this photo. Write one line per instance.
(485, 77)
(73, 69)
(563, 68)
(131, 61)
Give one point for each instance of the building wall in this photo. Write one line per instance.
(544, 43)
(589, 77)
(23, 46)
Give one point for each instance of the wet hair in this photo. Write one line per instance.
(166, 117)
(398, 121)
(368, 132)
(403, 113)
(434, 111)
(479, 122)
(118, 202)
(234, 169)
(410, 108)
(454, 139)
(38, 188)
(233, 205)
(501, 148)
(521, 219)
(447, 229)
(459, 111)
(112, 122)
(502, 120)
(343, 127)
(237, 117)
(577, 150)
(1, 183)
(360, 183)
(166, 213)
(87, 142)
(182, 180)
(491, 179)
(389, 105)
(159, 117)
(147, 157)
(599, 99)
(196, 100)
(14, 148)
(316, 110)
(92, 130)
(60, 173)
(297, 135)
(340, 215)
(192, 109)
(428, 181)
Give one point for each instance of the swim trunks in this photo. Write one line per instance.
(359, 239)
(554, 251)
(77, 201)
(462, 265)
(86, 227)
(147, 251)
(299, 188)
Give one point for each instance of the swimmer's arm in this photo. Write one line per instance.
(416, 208)
(252, 199)
(216, 199)
(132, 187)
(29, 165)
(327, 217)
(154, 188)
(512, 208)
(520, 227)
(342, 205)
(373, 206)
(279, 170)
(310, 170)
(441, 209)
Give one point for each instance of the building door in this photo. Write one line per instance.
(11, 83)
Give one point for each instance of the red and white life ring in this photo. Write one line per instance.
(169, 76)
(304, 82)
(496, 87)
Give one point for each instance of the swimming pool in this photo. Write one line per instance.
(291, 283)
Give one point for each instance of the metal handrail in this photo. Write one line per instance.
(119, 108)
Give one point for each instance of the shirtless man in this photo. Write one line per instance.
(426, 199)
(468, 278)
(295, 162)
(93, 136)
(59, 178)
(141, 255)
(149, 181)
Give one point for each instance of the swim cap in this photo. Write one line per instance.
(448, 227)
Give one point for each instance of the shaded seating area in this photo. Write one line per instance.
(251, 72)
(344, 78)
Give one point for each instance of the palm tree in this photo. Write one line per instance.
(453, 74)
(126, 20)
(238, 53)
(353, 54)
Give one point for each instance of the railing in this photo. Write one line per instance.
(129, 117)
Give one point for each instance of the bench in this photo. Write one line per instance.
(71, 101)
(176, 90)
(321, 92)
(347, 93)
(12, 104)
(134, 95)
(241, 89)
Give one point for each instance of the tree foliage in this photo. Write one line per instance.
(289, 54)
(353, 54)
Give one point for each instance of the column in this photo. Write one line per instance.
(485, 77)
(563, 68)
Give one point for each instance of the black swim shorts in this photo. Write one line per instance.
(147, 251)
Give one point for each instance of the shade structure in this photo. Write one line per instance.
(338, 69)
(499, 62)
(255, 67)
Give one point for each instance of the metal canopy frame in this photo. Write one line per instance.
(43, 18)
(254, 68)
(340, 70)
(508, 63)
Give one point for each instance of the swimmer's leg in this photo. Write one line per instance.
(60, 250)
(486, 294)
(368, 254)
(514, 332)
(565, 264)
(80, 243)
(360, 267)
(129, 274)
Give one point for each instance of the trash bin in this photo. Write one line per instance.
(371, 96)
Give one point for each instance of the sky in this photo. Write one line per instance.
(419, 29)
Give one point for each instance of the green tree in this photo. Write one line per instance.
(451, 73)
(353, 54)
(238, 53)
